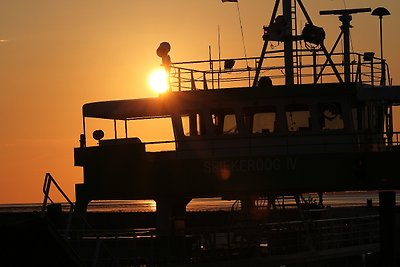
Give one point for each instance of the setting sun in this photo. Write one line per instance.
(158, 81)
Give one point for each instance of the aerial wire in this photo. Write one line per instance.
(241, 30)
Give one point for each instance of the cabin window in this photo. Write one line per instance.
(331, 117)
(355, 113)
(145, 130)
(396, 119)
(372, 117)
(298, 118)
(260, 119)
(193, 123)
(224, 122)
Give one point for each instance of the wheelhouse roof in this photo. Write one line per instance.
(171, 102)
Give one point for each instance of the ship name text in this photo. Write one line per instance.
(250, 165)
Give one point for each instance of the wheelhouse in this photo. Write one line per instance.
(319, 118)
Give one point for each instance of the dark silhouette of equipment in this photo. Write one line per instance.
(265, 81)
(345, 18)
(277, 31)
(98, 135)
(313, 34)
(162, 51)
(281, 29)
(229, 63)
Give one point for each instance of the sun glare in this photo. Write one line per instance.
(158, 81)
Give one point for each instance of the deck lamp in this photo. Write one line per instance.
(381, 12)
(98, 135)
(368, 56)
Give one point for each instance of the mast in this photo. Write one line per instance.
(288, 42)
(280, 29)
(345, 18)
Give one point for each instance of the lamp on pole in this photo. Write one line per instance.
(381, 12)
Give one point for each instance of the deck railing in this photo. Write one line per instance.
(284, 143)
(311, 67)
(334, 237)
(264, 242)
(48, 182)
(69, 233)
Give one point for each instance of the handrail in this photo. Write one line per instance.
(356, 235)
(48, 181)
(287, 238)
(182, 74)
(361, 141)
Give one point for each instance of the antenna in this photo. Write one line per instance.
(344, 11)
(345, 18)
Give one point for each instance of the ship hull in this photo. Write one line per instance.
(127, 172)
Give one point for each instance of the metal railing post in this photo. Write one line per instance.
(383, 72)
(179, 81)
(192, 81)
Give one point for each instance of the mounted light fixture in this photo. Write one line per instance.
(98, 135)
(381, 12)
(162, 52)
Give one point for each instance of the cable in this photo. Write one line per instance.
(241, 30)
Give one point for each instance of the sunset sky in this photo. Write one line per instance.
(57, 55)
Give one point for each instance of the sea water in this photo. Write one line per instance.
(333, 199)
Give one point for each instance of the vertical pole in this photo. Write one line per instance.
(372, 71)
(383, 66)
(358, 73)
(179, 81)
(192, 81)
(345, 19)
(115, 129)
(288, 45)
(170, 213)
(387, 215)
(211, 67)
(381, 36)
(219, 57)
(126, 129)
(84, 128)
(82, 138)
(390, 125)
(314, 57)
(205, 86)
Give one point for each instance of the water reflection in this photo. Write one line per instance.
(333, 199)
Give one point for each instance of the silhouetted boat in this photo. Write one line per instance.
(258, 135)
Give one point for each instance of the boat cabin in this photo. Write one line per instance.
(314, 118)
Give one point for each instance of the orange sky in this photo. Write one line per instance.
(57, 55)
